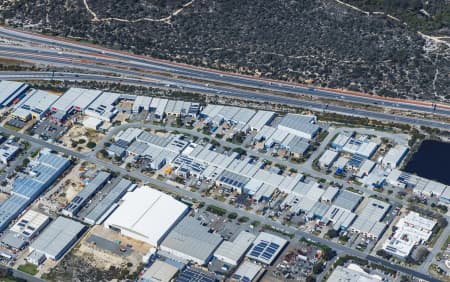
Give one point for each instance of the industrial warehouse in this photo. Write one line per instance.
(25, 190)
(184, 240)
(143, 215)
(11, 92)
(60, 235)
(34, 105)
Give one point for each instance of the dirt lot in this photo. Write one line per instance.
(122, 117)
(87, 262)
(78, 137)
(71, 184)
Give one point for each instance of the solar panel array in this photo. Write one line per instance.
(265, 250)
(193, 275)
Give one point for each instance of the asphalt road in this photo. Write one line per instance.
(227, 92)
(154, 66)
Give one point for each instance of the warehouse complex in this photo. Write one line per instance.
(159, 271)
(11, 92)
(231, 252)
(421, 186)
(143, 215)
(55, 240)
(266, 248)
(42, 174)
(103, 107)
(394, 156)
(182, 191)
(184, 242)
(27, 227)
(300, 125)
(75, 99)
(91, 188)
(35, 105)
(369, 220)
(108, 203)
(412, 230)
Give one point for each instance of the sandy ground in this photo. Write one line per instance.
(72, 184)
(104, 259)
(122, 117)
(78, 132)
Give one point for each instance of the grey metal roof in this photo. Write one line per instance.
(191, 238)
(347, 200)
(10, 91)
(299, 122)
(266, 248)
(55, 239)
(113, 196)
(103, 105)
(14, 240)
(115, 149)
(298, 145)
(37, 102)
(232, 179)
(81, 198)
(76, 97)
(153, 139)
(260, 119)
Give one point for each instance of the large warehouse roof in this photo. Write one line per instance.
(368, 221)
(301, 125)
(10, 208)
(10, 90)
(103, 107)
(232, 252)
(30, 223)
(57, 237)
(77, 98)
(95, 216)
(44, 172)
(260, 119)
(35, 104)
(352, 273)
(191, 241)
(147, 214)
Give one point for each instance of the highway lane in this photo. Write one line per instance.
(227, 92)
(149, 64)
(208, 201)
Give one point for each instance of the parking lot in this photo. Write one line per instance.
(17, 123)
(48, 129)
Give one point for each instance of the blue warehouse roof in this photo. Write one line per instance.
(10, 209)
(49, 167)
(25, 189)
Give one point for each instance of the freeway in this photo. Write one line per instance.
(111, 57)
(209, 201)
(223, 91)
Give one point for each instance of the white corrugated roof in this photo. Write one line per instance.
(148, 213)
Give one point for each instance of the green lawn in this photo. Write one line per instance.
(28, 268)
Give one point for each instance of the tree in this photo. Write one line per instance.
(232, 215)
(318, 268)
(332, 233)
(91, 145)
(243, 219)
(382, 253)
(328, 253)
